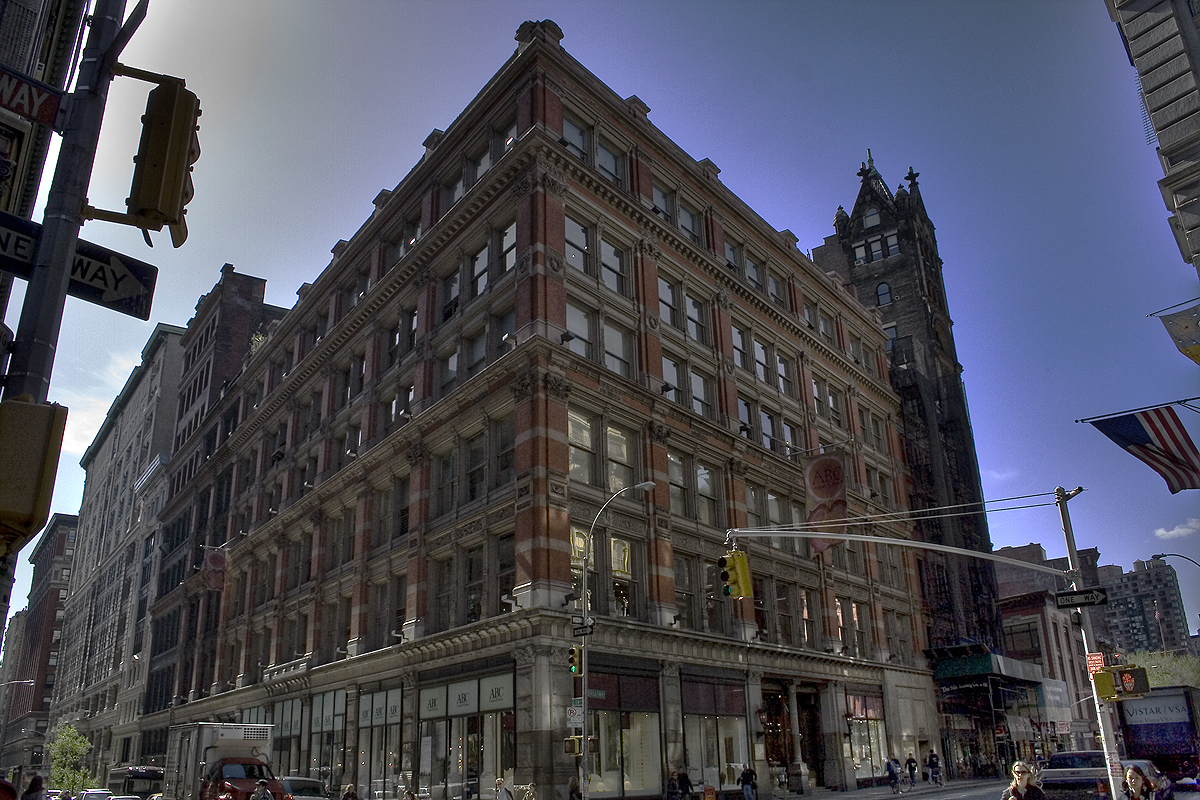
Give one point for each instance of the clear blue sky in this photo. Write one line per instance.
(1021, 116)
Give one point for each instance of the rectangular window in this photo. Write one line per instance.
(702, 391)
(767, 426)
(697, 318)
(672, 377)
(876, 246)
(664, 202)
(893, 244)
(783, 371)
(745, 417)
(508, 248)
(706, 494)
(732, 254)
(619, 446)
(618, 349)
(505, 435)
(689, 223)
(677, 476)
(575, 138)
(825, 327)
(476, 353)
(479, 271)
(576, 244)
(741, 356)
(609, 164)
(612, 263)
(581, 447)
(477, 462)
(579, 330)
(685, 591)
(447, 477)
(449, 371)
(761, 361)
(754, 272)
(668, 302)
(754, 506)
(449, 296)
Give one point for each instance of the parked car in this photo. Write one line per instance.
(297, 786)
(1074, 775)
(95, 794)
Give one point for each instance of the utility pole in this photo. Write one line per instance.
(36, 340)
(1107, 739)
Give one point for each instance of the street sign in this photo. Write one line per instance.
(1095, 663)
(98, 275)
(574, 716)
(582, 630)
(28, 98)
(1088, 597)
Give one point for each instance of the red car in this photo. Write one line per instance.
(236, 778)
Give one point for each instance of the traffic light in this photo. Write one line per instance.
(1121, 683)
(735, 572)
(162, 174)
(31, 436)
(575, 661)
(573, 745)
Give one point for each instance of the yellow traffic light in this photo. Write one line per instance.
(573, 745)
(162, 175)
(31, 437)
(735, 572)
(1121, 683)
(575, 661)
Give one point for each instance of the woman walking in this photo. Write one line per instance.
(1021, 788)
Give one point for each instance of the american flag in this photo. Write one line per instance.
(1157, 438)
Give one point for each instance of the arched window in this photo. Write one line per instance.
(883, 293)
(871, 218)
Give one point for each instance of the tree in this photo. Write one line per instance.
(1167, 668)
(67, 747)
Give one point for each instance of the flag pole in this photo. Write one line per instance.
(1182, 402)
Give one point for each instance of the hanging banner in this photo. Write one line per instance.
(825, 496)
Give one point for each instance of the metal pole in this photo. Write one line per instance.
(586, 764)
(1107, 739)
(36, 340)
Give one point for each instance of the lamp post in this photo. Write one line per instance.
(1176, 555)
(583, 648)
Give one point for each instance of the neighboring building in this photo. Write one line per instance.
(107, 588)
(1145, 609)
(886, 249)
(14, 639)
(28, 715)
(377, 520)
(38, 39)
(1163, 43)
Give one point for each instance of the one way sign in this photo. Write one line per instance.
(1095, 596)
(98, 275)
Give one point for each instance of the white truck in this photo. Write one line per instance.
(218, 761)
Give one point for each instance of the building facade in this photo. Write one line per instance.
(1145, 609)
(377, 527)
(32, 684)
(885, 248)
(107, 604)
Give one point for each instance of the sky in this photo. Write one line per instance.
(1021, 116)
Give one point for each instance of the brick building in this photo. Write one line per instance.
(27, 717)
(376, 524)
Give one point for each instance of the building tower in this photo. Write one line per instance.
(886, 249)
(1145, 609)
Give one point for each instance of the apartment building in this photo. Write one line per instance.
(376, 527)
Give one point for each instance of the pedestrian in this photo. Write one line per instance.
(573, 792)
(934, 765)
(35, 790)
(685, 785)
(749, 782)
(672, 787)
(502, 791)
(1137, 786)
(1021, 788)
(7, 790)
(262, 792)
(911, 766)
(893, 773)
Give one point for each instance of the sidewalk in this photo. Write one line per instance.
(922, 788)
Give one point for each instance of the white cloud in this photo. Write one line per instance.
(1179, 531)
(87, 407)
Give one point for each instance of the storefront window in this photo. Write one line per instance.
(468, 738)
(624, 719)
(714, 733)
(286, 747)
(379, 775)
(327, 744)
(867, 736)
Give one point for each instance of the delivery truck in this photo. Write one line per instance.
(218, 761)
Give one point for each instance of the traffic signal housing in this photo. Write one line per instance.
(575, 660)
(735, 573)
(162, 174)
(31, 436)
(1121, 683)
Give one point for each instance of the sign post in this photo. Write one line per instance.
(1095, 596)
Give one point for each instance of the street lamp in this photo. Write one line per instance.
(583, 603)
(1176, 555)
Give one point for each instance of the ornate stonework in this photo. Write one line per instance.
(524, 656)
(417, 454)
(738, 467)
(659, 433)
(557, 387)
(522, 387)
(423, 275)
(723, 299)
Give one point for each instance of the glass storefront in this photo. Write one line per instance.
(623, 716)
(714, 733)
(868, 740)
(379, 718)
(285, 750)
(468, 738)
(327, 742)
